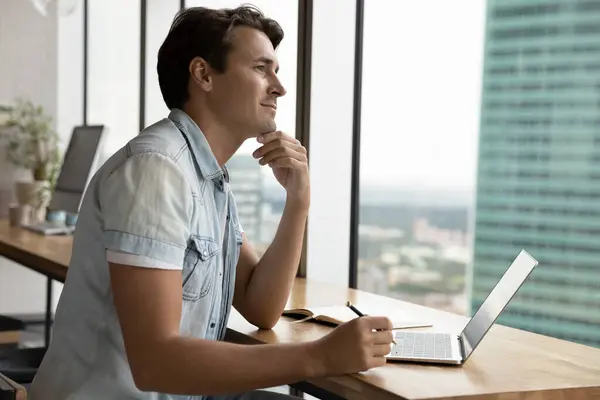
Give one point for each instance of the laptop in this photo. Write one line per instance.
(51, 228)
(450, 348)
(79, 164)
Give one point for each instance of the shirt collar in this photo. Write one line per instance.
(207, 163)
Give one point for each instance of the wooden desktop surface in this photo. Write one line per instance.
(509, 364)
(49, 255)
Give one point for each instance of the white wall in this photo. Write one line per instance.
(28, 43)
(331, 141)
(70, 72)
(28, 48)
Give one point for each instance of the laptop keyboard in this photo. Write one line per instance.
(422, 345)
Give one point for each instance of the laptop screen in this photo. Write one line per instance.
(78, 166)
(496, 301)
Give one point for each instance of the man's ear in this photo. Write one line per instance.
(200, 73)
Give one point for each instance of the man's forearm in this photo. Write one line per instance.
(203, 367)
(269, 287)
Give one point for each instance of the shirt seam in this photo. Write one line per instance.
(146, 237)
(174, 159)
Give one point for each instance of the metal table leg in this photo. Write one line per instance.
(48, 322)
(309, 388)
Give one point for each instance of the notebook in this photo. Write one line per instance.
(336, 315)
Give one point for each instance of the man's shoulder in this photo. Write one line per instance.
(160, 146)
(162, 137)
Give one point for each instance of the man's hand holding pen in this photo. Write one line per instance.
(359, 313)
(355, 346)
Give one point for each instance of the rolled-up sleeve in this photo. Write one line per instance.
(146, 205)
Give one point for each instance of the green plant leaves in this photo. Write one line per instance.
(33, 144)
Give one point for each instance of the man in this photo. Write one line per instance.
(159, 255)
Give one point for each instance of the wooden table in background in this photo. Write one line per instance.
(509, 364)
(48, 255)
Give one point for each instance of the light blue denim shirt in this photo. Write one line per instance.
(163, 200)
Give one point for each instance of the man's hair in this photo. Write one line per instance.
(207, 33)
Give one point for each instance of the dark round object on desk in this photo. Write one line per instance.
(10, 324)
(21, 365)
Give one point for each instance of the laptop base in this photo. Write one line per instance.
(426, 347)
(50, 228)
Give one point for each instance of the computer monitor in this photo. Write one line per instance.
(79, 164)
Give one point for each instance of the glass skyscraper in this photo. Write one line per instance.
(538, 184)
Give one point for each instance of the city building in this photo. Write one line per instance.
(538, 185)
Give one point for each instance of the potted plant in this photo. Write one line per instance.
(34, 145)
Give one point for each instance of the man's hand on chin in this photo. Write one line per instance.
(287, 157)
(263, 287)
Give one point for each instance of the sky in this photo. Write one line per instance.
(422, 73)
(421, 92)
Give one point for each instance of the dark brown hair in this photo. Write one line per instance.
(207, 33)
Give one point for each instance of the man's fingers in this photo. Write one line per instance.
(380, 350)
(273, 154)
(382, 323)
(275, 144)
(383, 337)
(378, 362)
(268, 137)
(282, 152)
(287, 162)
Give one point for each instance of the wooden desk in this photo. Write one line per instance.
(48, 255)
(508, 365)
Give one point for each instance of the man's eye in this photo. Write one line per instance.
(260, 68)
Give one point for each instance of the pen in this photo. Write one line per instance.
(354, 309)
(357, 312)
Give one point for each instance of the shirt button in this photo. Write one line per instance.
(205, 253)
(212, 324)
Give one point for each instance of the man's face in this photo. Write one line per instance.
(246, 94)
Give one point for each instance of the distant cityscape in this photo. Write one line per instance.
(415, 253)
(409, 251)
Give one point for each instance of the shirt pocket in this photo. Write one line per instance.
(199, 267)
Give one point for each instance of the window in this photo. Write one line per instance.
(420, 108)
(331, 141)
(159, 16)
(113, 78)
(259, 197)
(482, 121)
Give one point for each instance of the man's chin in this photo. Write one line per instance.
(270, 126)
(260, 129)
